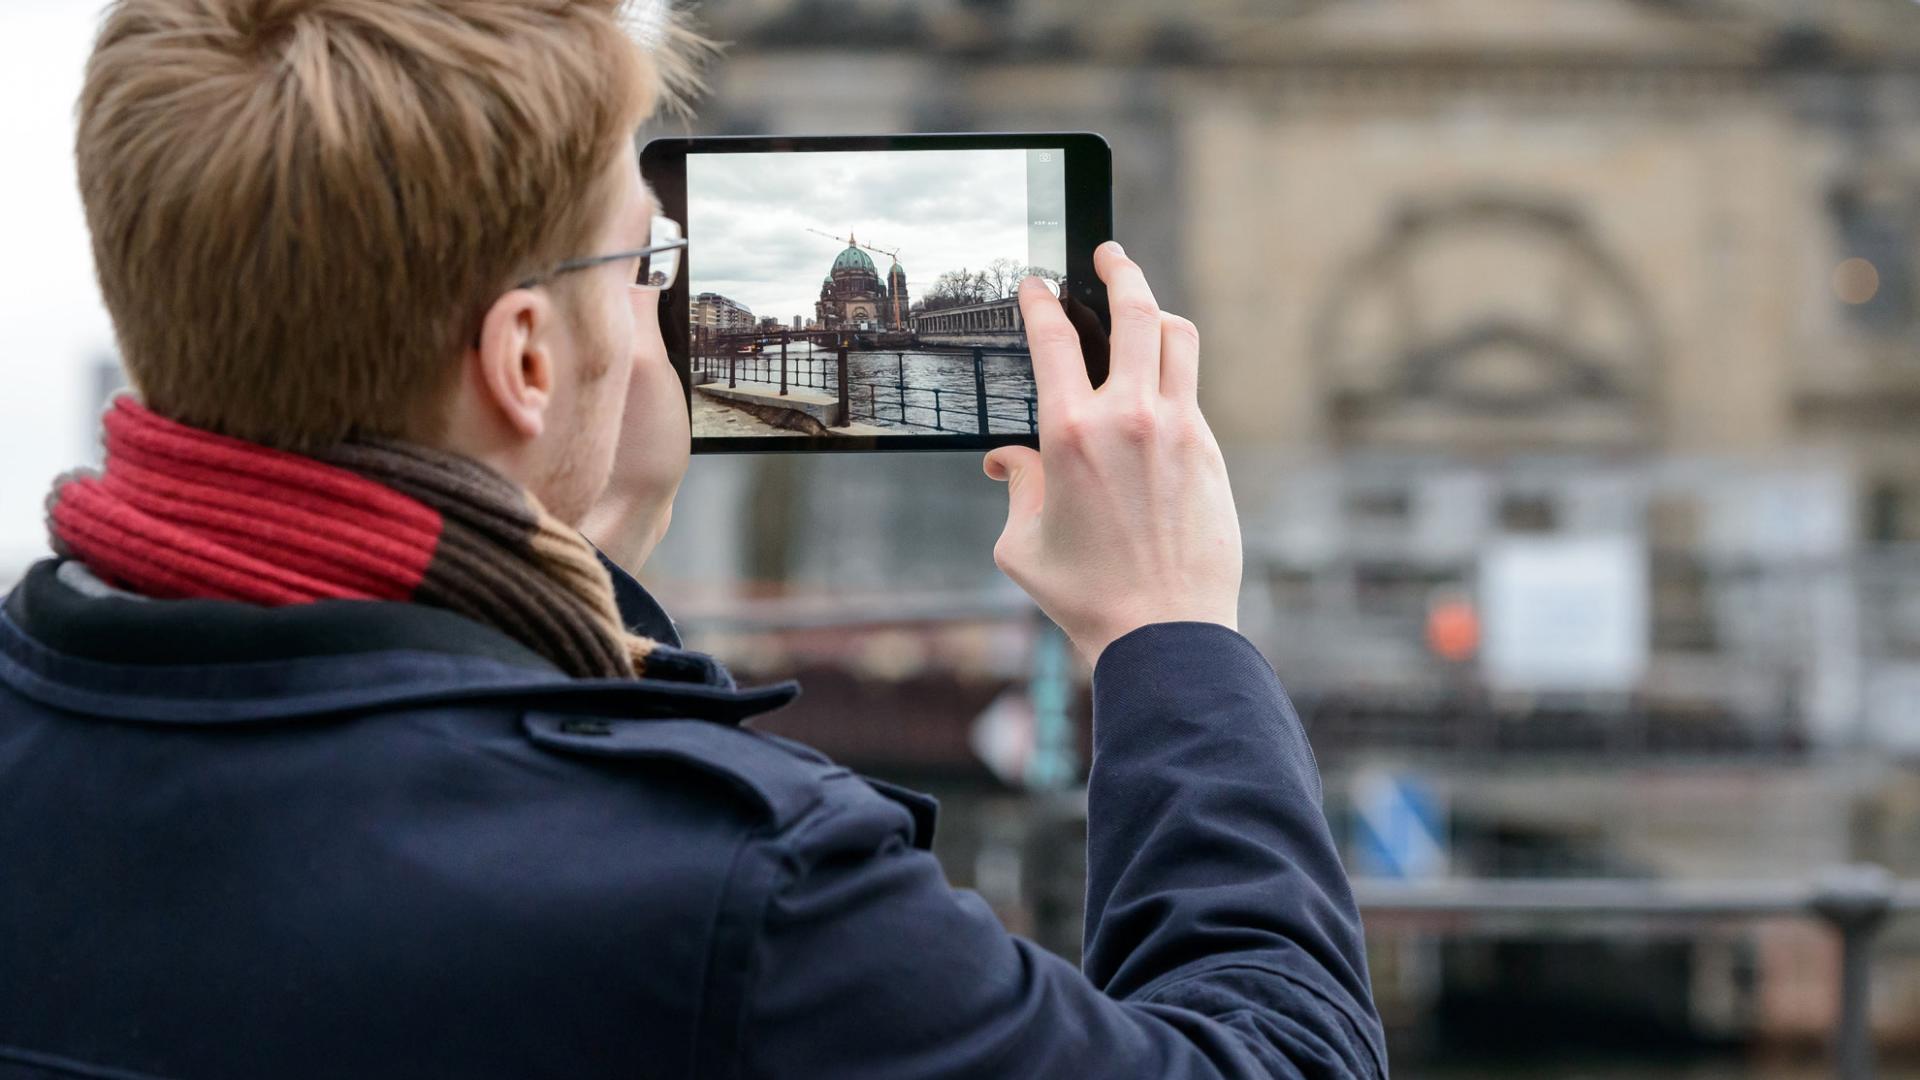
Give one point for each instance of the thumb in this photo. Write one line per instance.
(999, 463)
(1019, 467)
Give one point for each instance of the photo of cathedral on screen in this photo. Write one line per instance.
(853, 297)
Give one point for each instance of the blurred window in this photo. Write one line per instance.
(1682, 592)
(1683, 605)
(1881, 233)
(1398, 589)
(1674, 522)
(1290, 588)
(1380, 507)
(1528, 513)
(1891, 514)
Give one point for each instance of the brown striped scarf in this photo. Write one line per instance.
(182, 512)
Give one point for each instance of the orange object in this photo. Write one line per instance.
(1453, 630)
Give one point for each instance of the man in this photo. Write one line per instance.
(330, 746)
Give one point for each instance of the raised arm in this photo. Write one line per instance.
(1222, 939)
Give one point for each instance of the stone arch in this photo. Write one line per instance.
(1493, 318)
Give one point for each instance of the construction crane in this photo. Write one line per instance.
(851, 242)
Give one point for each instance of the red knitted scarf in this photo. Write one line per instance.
(180, 512)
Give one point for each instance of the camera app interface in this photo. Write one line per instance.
(868, 294)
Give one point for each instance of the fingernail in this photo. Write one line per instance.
(1117, 249)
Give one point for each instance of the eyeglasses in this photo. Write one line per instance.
(659, 260)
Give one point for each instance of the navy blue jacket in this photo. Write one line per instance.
(360, 839)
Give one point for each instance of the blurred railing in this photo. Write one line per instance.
(1855, 901)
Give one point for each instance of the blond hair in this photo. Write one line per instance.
(301, 209)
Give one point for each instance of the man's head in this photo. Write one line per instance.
(309, 217)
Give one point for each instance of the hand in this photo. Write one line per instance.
(1124, 516)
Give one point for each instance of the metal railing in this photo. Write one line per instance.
(943, 409)
(1855, 901)
(890, 403)
(808, 372)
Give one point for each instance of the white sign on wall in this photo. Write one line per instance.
(1564, 614)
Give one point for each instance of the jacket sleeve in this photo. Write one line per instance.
(1222, 940)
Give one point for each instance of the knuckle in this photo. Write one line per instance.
(1137, 310)
(1072, 428)
(1070, 433)
(1054, 339)
(1137, 422)
(1189, 434)
(1181, 327)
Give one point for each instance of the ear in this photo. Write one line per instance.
(515, 358)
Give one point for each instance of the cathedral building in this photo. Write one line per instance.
(854, 297)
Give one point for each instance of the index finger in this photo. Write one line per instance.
(1134, 357)
(1059, 371)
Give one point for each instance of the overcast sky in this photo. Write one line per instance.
(56, 326)
(748, 216)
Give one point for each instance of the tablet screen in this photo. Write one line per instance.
(868, 294)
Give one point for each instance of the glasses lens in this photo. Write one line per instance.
(658, 270)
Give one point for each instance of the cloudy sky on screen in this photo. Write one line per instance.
(748, 216)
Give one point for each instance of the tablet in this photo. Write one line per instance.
(859, 292)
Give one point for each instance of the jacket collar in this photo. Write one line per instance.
(71, 642)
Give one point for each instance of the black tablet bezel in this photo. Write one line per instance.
(1089, 180)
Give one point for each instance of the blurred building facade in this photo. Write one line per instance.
(1621, 292)
(1567, 354)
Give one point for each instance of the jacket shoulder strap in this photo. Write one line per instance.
(785, 784)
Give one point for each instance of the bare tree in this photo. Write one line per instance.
(954, 289)
(983, 288)
(1004, 276)
(1054, 276)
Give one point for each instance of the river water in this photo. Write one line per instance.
(874, 382)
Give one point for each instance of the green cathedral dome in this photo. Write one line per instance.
(855, 259)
